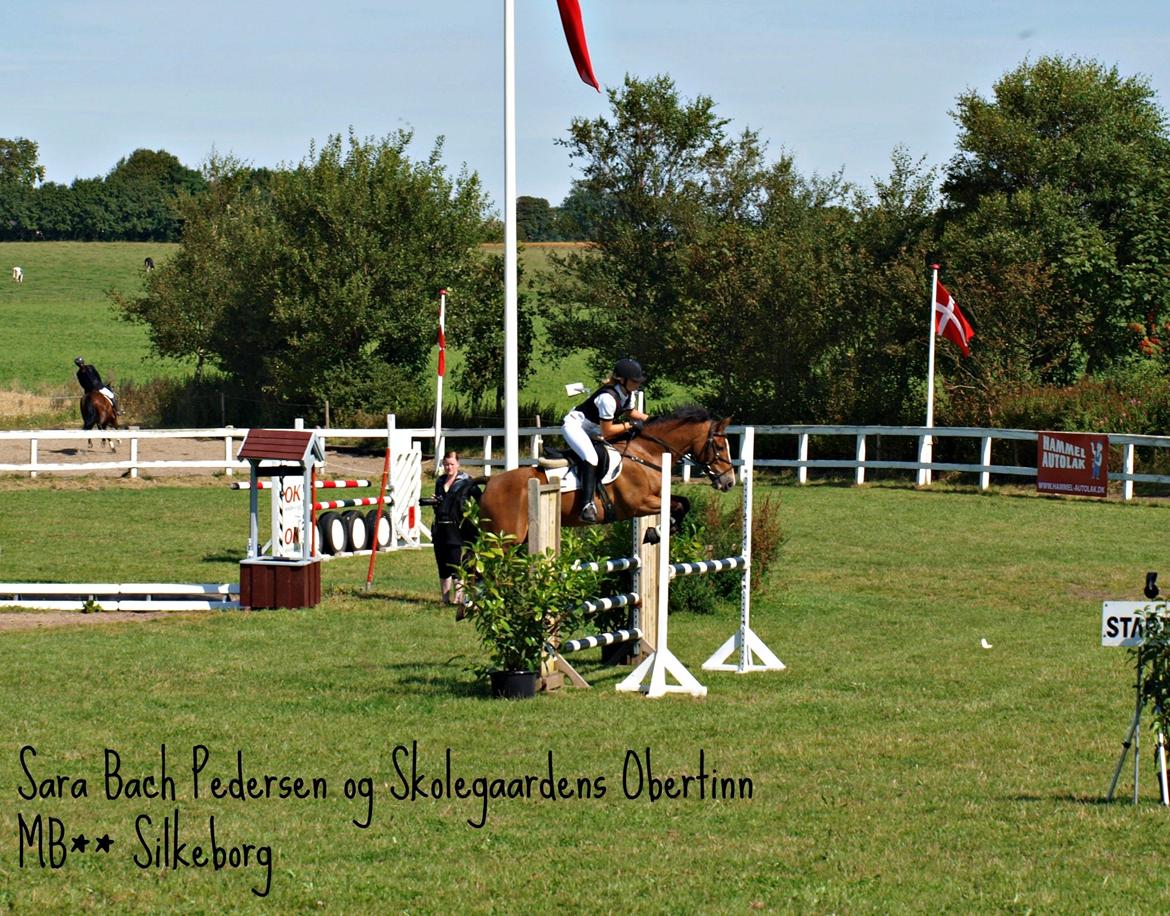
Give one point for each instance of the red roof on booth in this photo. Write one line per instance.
(300, 445)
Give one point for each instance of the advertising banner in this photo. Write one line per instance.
(1073, 464)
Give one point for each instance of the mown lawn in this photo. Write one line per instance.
(895, 765)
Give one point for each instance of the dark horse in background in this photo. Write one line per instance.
(97, 412)
(689, 433)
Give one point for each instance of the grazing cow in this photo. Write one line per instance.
(148, 264)
(18, 275)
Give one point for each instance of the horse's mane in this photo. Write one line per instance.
(688, 413)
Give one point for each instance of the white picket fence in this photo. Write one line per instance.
(844, 448)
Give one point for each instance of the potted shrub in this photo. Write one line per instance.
(518, 602)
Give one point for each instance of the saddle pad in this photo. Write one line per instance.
(568, 479)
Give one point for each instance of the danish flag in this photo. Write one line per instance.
(949, 322)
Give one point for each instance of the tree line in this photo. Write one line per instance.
(774, 296)
(135, 202)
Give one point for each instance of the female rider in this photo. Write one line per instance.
(597, 417)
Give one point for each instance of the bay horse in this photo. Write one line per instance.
(690, 433)
(97, 412)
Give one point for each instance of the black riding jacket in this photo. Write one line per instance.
(89, 379)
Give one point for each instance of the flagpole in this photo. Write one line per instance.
(926, 447)
(439, 377)
(511, 367)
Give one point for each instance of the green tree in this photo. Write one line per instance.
(1060, 193)
(663, 170)
(158, 169)
(324, 275)
(535, 220)
(19, 162)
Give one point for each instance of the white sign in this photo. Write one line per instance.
(1121, 621)
(288, 506)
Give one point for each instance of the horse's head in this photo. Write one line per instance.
(713, 455)
(693, 432)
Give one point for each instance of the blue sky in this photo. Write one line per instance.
(837, 84)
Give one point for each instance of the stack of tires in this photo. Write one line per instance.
(352, 530)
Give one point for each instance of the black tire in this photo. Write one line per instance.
(355, 530)
(383, 538)
(331, 531)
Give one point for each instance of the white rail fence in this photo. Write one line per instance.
(844, 448)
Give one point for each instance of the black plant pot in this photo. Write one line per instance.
(514, 685)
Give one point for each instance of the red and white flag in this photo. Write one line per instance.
(575, 35)
(949, 322)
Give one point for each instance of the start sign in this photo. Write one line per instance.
(1075, 464)
(1121, 621)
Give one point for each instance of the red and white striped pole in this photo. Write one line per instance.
(439, 378)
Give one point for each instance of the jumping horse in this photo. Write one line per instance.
(97, 412)
(689, 434)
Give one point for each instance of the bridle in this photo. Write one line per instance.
(707, 457)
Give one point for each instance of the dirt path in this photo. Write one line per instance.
(38, 620)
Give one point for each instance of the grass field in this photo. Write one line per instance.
(895, 766)
(61, 311)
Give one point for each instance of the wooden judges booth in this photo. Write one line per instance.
(283, 578)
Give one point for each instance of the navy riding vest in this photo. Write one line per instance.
(588, 408)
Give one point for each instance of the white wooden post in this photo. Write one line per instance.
(134, 456)
(802, 457)
(32, 456)
(227, 456)
(925, 457)
(859, 473)
(487, 456)
(985, 460)
(1127, 467)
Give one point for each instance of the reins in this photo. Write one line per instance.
(687, 458)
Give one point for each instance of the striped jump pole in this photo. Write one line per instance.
(601, 639)
(608, 566)
(707, 566)
(744, 641)
(353, 503)
(320, 484)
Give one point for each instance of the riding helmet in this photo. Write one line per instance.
(79, 361)
(629, 369)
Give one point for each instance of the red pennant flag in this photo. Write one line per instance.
(949, 321)
(575, 34)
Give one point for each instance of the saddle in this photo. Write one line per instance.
(567, 461)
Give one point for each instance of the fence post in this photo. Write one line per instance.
(802, 457)
(985, 460)
(134, 456)
(32, 456)
(925, 457)
(1127, 468)
(487, 456)
(227, 456)
(859, 473)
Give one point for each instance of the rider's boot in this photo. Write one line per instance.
(587, 478)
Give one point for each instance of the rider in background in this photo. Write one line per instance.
(597, 417)
(90, 380)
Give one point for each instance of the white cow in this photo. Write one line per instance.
(18, 275)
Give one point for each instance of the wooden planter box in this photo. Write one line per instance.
(270, 582)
